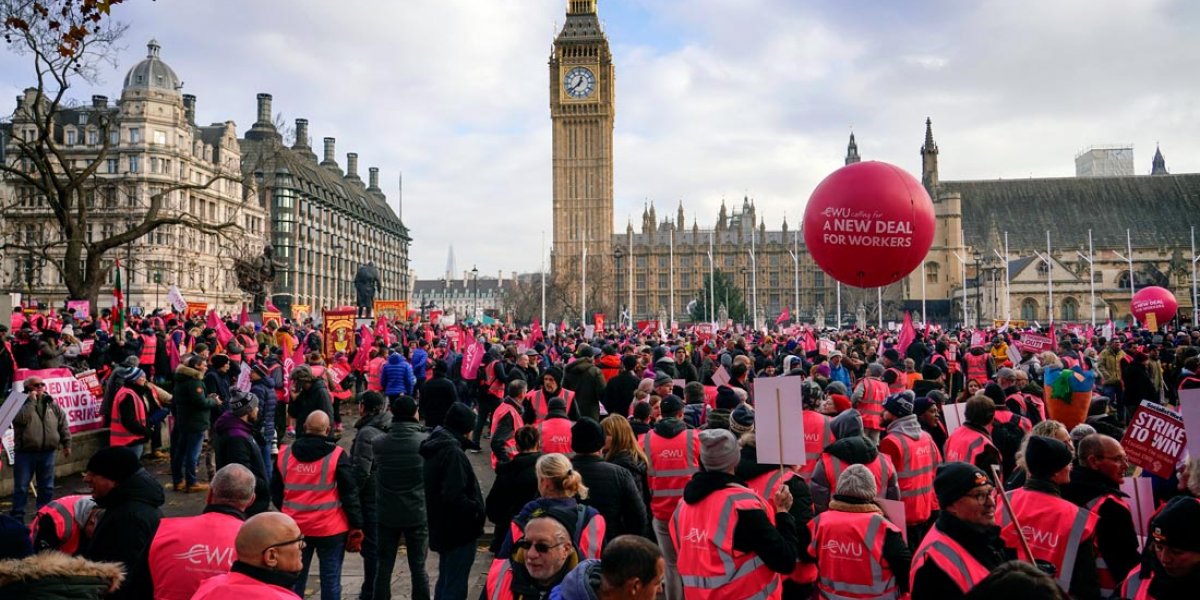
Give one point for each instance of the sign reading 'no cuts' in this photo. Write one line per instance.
(1155, 439)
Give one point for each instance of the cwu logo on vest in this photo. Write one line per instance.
(313, 467)
(671, 453)
(211, 556)
(846, 550)
(559, 439)
(923, 451)
(1037, 537)
(696, 536)
(812, 437)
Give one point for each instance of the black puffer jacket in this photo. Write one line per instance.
(124, 532)
(368, 429)
(516, 484)
(399, 474)
(612, 491)
(453, 500)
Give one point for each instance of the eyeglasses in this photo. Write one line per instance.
(541, 547)
(1121, 458)
(35, 386)
(299, 540)
(983, 496)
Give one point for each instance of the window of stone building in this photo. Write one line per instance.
(1029, 309)
(135, 164)
(93, 137)
(83, 118)
(641, 262)
(662, 262)
(72, 137)
(685, 280)
(641, 281)
(114, 137)
(135, 135)
(728, 261)
(160, 137)
(1070, 309)
(663, 282)
(931, 272)
(155, 165)
(774, 280)
(819, 279)
(112, 165)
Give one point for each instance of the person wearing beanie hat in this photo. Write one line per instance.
(853, 520)
(741, 420)
(131, 500)
(584, 378)
(618, 392)
(673, 455)
(1172, 569)
(393, 497)
(234, 441)
(455, 509)
(538, 401)
(972, 442)
(507, 418)
(868, 398)
(751, 536)
(612, 490)
(309, 393)
(932, 378)
(964, 544)
(851, 447)
(915, 455)
(1050, 524)
(132, 406)
(556, 429)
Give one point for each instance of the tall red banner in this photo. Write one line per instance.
(339, 331)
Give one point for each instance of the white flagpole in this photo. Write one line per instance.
(1050, 279)
(923, 321)
(839, 303)
(630, 307)
(583, 287)
(796, 275)
(712, 281)
(963, 261)
(1128, 258)
(753, 279)
(672, 275)
(543, 253)
(1195, 309)
(879, 305)
(1091, 274)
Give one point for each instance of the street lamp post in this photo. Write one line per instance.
(475, 286)
(157, 284)
(618, 254)
(978, 293)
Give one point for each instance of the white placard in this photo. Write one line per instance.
(895, 513)
(720, 377)
(825, 347)
(779, 420)
(589, 331)
(954, 415)
(175, 299)
(8, 412)
(1141, 504)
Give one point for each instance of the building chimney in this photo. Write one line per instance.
(352, 166)
(329, 161)
(189, 107)
(373, 179)
(102, 101)
(264, 109)
(301, 134)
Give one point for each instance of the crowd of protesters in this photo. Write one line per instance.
(625, 461)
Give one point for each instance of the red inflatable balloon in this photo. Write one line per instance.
(1157, 301)
(869, 224)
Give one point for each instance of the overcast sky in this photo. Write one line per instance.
(715, 98)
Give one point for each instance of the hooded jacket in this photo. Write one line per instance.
(316, 397)
(397, 475)
(453, 500)
(57, 576)
(368, 429)
(583, 378)
(124, 532)
(397, 377)
(311, 448)
(437, 395)
(193, 408)
(582, 583)
(609, 365)
(236, 441)
(516, 484)
(851, 448)
(778, 545)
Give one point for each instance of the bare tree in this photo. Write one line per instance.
(66, 40)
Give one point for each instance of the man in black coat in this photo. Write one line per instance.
(373, 424)
(453, 502)
(237, 441)
(618, 394)
(1096, 484)
(437, 395)
(611, 488)
(397, 473)
(131, 498)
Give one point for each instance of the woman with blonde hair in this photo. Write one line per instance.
(561, 489)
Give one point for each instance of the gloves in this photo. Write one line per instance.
(354, 541)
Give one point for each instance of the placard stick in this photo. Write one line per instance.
(779, 426)
(999, 483)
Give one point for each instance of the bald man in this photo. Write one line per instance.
(1096, 485)
(314, 484)
(269, 547)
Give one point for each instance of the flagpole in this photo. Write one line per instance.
(712, 292)
(583, 286)
(1050, 279)
(630, 307)
(923, 320)
(1195, 309)
(796, 276)
(1128, 258)
(839, 303)
(753, 278)
(1092, 274)
(543, 253)
(671, 271)
(963, 262)
(879, 305)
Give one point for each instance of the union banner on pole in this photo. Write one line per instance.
(339, 331)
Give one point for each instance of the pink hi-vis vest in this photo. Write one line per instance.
(556, 435)
(118, 434)
(510, 447)
(670, 464)
(541, 405)
(62, 514)
(310, 494)
(817, 435)
(709, 565)
(919, 459)
(882, 468)
(766, 486)
(950, 557)
(875, 392)
(1053, 527)
(965, 444)
(850, 546)
(1109, 581)
(242, 587)
(188, 550)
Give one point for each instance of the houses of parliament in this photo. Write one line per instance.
(1139, 227)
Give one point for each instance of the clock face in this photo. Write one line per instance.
(579, 82)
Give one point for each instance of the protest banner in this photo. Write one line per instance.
(85, 347)
(472, 357)
(394, 310)
(175, 299)
(779, 421)
(1155, 439)
(1189, 409)
(195, 309)
(598, 320)
(79, 308)
(720, 377)
(301, 312)
(92, 381)
(339, 331)
(977, 339)
(1035, 343)
(272, 316)
(825, 347)
(1140, 492)
(589, 331)
(73, 395)
(8, 412)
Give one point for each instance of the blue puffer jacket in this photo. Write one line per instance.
(419, 361)
(397, 376)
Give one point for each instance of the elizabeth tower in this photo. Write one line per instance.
(581, 111)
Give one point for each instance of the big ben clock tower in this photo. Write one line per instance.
(581, 112)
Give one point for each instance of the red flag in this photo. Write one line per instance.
(536, 330)
(783, 316)
(810, 341)
(270, 306)
(223, 333)
(382, 331)
(472, 356)
(298, 357)
(908, 333)
(244, 318)
(364, 348)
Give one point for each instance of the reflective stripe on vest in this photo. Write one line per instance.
(495, 387)
(914, 475)
(541, 405)
(118, 434)
(310, 496)
(881, 468)
(62, 514)
(850, 536)
(149, 349)
(510, 446)
(734, 575)
(965, 444)
(188, 550)
(1044, 521)
(1109, 581)
(814, 442)
(1135, 587)
(498, 584)
(950, 557)
(556, 435)
(666, 484)
(977, 367)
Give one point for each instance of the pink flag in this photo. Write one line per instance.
(537, 331)
(908, 333)
(382, 330)
(783, 316)
(297, 357)
(172, 353)
(809, 342)
(244, 318)
(472, 356)
(223, 333)
(364, 348)
(269, 306)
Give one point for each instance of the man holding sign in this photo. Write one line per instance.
(40, 428)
